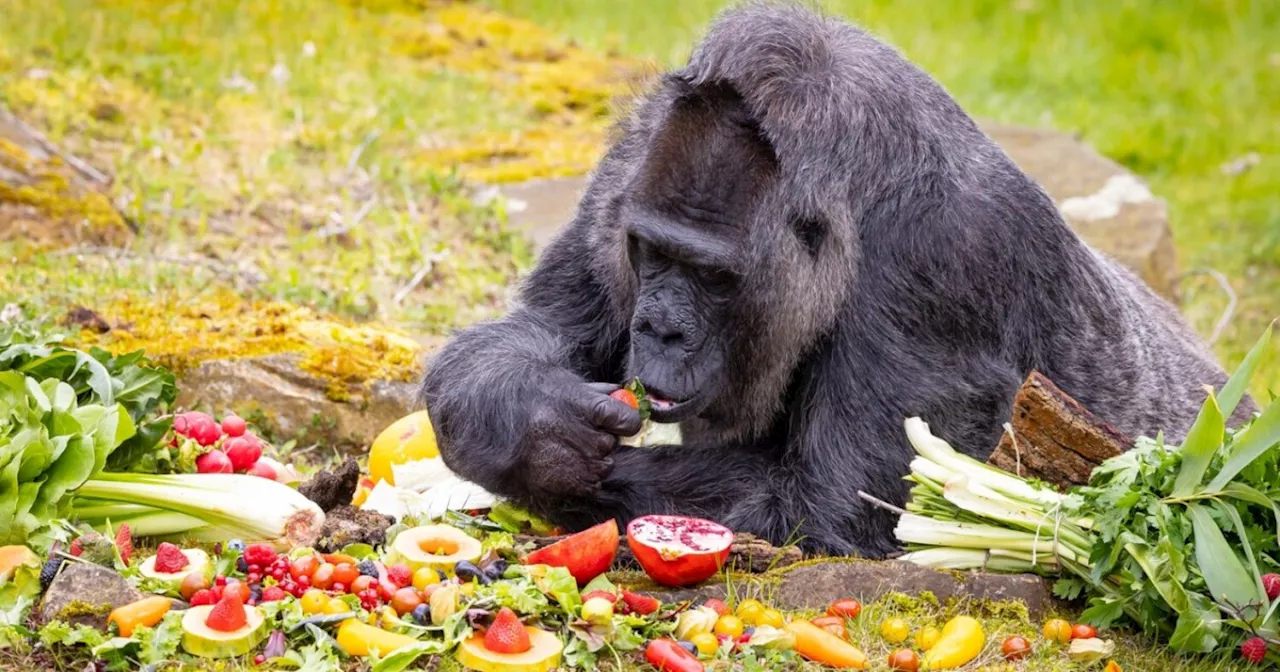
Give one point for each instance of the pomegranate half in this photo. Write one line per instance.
(679, 551)
(586, 554)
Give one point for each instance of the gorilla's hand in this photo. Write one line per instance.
(570, 435)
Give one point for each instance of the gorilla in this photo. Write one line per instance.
(796, 241)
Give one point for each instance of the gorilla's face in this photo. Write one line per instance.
(687, 217)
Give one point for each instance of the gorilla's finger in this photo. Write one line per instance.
(603, 445)
(613, 416)
(603, 388)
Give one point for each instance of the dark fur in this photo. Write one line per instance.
(866, 254)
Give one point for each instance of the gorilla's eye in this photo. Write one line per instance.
(633, 252)
(810, 232)
(714, 279)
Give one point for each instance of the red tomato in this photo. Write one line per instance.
(669, 656)
(1015, 647)
(845, 608)
(323, 578)
(904, 660)
(345, 573)
(361, 584)
(1083, 631)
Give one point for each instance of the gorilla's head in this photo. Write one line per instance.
(727, 263)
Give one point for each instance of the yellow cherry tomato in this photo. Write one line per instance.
(895, 630)
(314, 601)
(729, 626)
(423, 577)
(749, 611)
(706, 643)
(771, 618)
(1057, 630)
(336, 606)
(927, 637)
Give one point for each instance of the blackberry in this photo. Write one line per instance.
(367, 568)
(49, 571)
(255, 593)
(241, 565)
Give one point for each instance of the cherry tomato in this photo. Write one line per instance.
(304, 566)
(345, 573)
(717, 606)
(729, 626)
(1015, 647)
(904, 660)
(832, 624)
(1057, 630)
(361, 584)
(1083, 631)
(895, 630)
(405, 600)
(845, 608)
(323, 578)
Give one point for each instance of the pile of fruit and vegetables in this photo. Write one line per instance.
(212, 553)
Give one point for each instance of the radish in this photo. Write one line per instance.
(243, 451)
(262, 469)
(679, 551)
(233, 425)
(214, 462)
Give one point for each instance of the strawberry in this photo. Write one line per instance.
(170, 559)
(1271, 582)
(507, 634)
(124, 542)
(1254, 649)
(201, 597)
(77, 547)
(261, 555)
(228, 614)
(400, 575)
(613, 599)
(640, 604)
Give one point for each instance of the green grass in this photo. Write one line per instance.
(1172, 90)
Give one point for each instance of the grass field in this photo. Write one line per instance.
(1173, 90)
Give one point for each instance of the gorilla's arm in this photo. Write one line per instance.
(511, 400)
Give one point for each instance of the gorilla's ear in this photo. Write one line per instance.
(811, 232)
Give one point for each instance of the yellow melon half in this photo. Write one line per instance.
(201, 640)
(436, 546)
(543, 654)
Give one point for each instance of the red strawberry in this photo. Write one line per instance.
(1271, 582)
(1254, 649)
(640, 604)
(202, 596)
(170, 559)
(77, 547)
(261, 555)
(613, 599)
(228, 614)
(507, 634)
(272, 594)
(400, 575)
(124, 542)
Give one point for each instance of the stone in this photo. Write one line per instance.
(1106, 205)
(84, 594)
(295, 400)
(815, 584)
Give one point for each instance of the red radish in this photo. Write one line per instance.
(586, 554)
(214, 462)
(243, 451)
(234, 425)
(262, 469)
(679, 551)
(199, 426)
(180, 425)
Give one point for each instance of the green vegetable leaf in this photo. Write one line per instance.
(1203, 441)
(315, 658)
(1103, 611)
(1235, 386)
(1224, 573)
(1262, 434)
(160, 643)
(1068, 588)
(402, 658)
(1197, 630)
(1254, 496)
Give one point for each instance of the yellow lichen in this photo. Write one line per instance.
(180, 334)
(66, 210)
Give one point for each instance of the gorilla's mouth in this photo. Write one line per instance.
(666, 410)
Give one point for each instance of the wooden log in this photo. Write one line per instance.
(1055, 439)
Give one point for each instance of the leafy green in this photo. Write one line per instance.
(1204, 440)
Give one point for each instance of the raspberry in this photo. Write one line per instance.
(1254, 649)
(272, 594)
(262, 555)
(1271, 582)
(124, 542)
(170, 559)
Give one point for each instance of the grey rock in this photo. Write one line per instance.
(91, 591)
(293, 399)
(1137, 234)
(814, 585)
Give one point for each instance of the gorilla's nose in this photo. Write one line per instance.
(664, 332)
